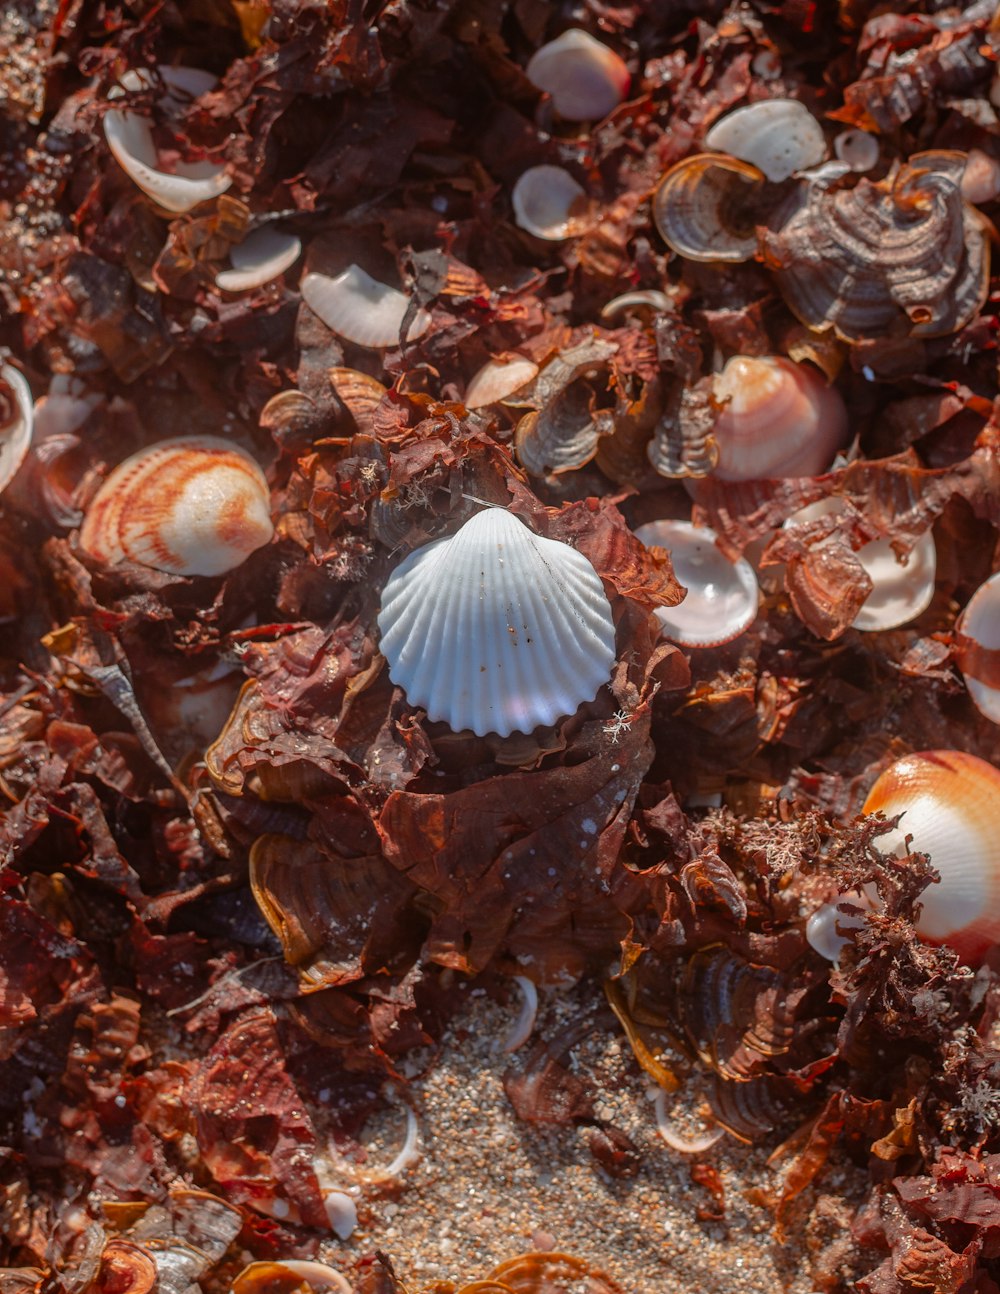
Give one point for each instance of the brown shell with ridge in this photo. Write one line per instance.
(901, 256)
(564, 432)
(707, 208)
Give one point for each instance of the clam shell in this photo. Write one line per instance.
(499, 378)
(980, 623)
(722, 595)
(585, 78)
(951, 807)
(903, 589)
(262, 256)
(549, 203)
(359, 308)
(17, 420)
(497, 629)
(130, 138)
(778, 136)
(705, 208)
(195, 505)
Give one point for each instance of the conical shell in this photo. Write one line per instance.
(497, 629)
(196, 505)
(16, 422)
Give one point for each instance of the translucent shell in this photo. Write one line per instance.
(705, 208)
(196, 505)
(979, 623)
(359, 308)
(499, 378)
(951, 803)
(722, 596)
(778, 136)
(586, 79)
(780, 419)
(130, 138)
(497, 629)
(262, 256)
(17, 422)
(549, 203)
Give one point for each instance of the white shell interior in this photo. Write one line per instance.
(262, 256)
(824, 928)
(548, 203)
(981, 620)
(722, 596)
(130, 138)
(499, 378)
(780, 136)
(902, 590)
(362, 310)
(857, 148)
(16, 433)
(497, 629)
(585, 78)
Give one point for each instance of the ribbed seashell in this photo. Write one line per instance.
(130, 138)
(979, 625)
(778, 136)
(722, 595)
(262, 256)
(549, 203)
(951, 807)
(857, 148)
(499, 377)
(497, 629)
(195, 505)
(706, 208)
(585, 78)
(780, 419)
(362, 310)
(906, 254)
(17, 420)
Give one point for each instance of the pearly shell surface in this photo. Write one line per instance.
(585, 78)
(16, 422)
(951, 807)
(980, 622)
(903, 589)
(549, 203)
(130, 138)
(499, 378)
(778, 136)
(497, 629)
(361, 309)
(195, 505)
(722, 596)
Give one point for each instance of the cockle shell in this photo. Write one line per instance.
(979, 625)
(359, 308)
(195, 505)
(951, 807)
(778, 136)
(130, 138)
(16, 422)
(780, 419)
(706, 208)
(585, 78)
(497, 629)
(549, 203)
(722, 595)
(262, 256)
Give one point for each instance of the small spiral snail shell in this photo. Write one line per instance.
(195, 505)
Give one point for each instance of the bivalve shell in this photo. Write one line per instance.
(497, 629)
(549, 203)
(195, 505)
(778, 136)
(16, 422)
(585, 78)
(979, 626)
(499, 378)
(359, 308)
(706, 208)
(262, 256)
(722, 595)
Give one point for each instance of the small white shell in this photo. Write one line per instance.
(903, 589)
(981, 177)
(130, 138)
(497, 629)
(857, 148)
(549, 203)
(829, 928)
(980, 621)
(261, 257)
(195, 505)
(722, 596)
(585, 78)
(642, 299)
(499, 378)
(779, 136)
(362, 310)
(17, 420)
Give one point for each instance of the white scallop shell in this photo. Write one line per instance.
(497, 629)
(130, 138)
(549, 203)
(585, 78)
(194, 505)
(359, 308)
(499, 378)
(779, 136)
(16, 422)
(722, 596)
(980, 621)
(262, 256)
